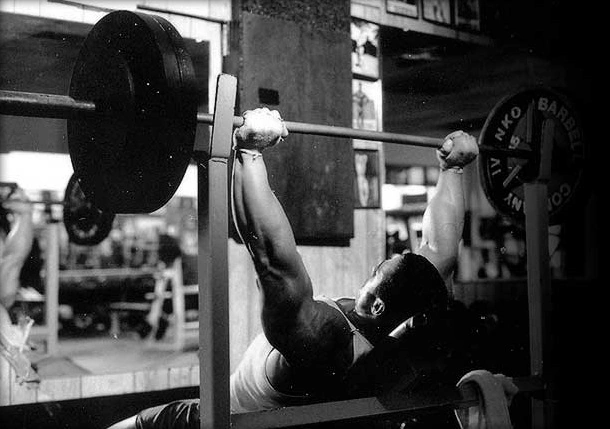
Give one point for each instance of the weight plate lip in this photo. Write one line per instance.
(186, 85)
(156, 170)
(580, 193)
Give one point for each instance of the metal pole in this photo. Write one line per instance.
(52, 287)
(178, 13)
(43, 105)
(213, 271)
(333, 131)
(372, 408)
(539, 291)
(402, 139)
(62, 106)
(539, 275)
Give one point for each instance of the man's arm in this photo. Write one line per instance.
(265, 229)
(16, 247)
(443, 220)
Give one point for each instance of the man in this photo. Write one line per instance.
(16, 237)
(308, 345)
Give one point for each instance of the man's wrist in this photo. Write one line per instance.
(456, 170)
(252, 153)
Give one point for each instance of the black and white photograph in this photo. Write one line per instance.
(366, 105)
(365, 48)
(468, 14)
(256, 214)
(403, 7)
(438, 11)
(368, 185)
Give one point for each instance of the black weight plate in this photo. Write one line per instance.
(85, 224)
(503, 177)
(136, 69)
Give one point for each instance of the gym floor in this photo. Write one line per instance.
(104, 354)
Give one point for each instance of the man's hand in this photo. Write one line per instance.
(458, 150)
(510, 389)
(262, 128)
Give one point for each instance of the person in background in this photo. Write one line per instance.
(157, 319)
(16, 238)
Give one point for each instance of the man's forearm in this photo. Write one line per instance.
(259, 217)
(261, 221)
(443, 220)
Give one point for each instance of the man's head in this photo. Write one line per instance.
(399, 288)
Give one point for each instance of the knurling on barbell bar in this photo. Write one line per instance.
(132, 114)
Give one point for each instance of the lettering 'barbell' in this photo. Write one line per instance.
(536, 119)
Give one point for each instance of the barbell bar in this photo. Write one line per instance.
(38, 105)
(64, 107)
(13, 186)
(132, 115)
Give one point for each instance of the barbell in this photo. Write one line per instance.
(132, 114)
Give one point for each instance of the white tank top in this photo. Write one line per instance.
(251, 389)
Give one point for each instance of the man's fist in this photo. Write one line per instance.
(458, 150)
(262, 128)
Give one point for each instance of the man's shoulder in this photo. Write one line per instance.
(329, 313)
(330, 336)
(333, 307)
(345, 302)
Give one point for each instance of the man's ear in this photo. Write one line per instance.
(378, 307)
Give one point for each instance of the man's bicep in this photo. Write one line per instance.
(284, 278)
(286, 310)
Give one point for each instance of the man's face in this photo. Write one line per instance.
(368, 304)
(367, 296)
